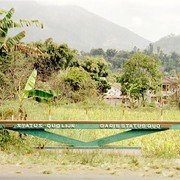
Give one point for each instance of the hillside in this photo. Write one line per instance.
(169, 44)
(76, 26)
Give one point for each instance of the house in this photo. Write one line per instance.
(169, 89)
(114, 96)
(169, 86)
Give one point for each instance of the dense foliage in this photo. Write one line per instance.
(56, 57)
(170, 62)
(11, 59)
(140, 74)
(77, 75)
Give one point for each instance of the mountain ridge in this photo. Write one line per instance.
(169, 44)
(81, 29)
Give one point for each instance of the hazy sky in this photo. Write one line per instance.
(151, 19)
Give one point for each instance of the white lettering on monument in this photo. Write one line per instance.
(44, 126)
(100, 126)
(129, 126)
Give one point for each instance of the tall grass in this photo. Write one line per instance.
(163, 144)
(94, 111)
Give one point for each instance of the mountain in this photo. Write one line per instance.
(168, 44)
(74, 25)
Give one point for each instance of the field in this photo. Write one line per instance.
(160, 151)
(91, 111)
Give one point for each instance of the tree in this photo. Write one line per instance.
(120, 58)
(140, 74)
(98, 69)
(97, 52)
(110, 53)
(150, 49)
(11, 71)
(74, 83)
(57, 57)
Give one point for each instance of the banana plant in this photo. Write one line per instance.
(7, 23)
(24, 95)
(39, 95)
(44, 96)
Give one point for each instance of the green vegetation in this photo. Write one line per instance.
(140, 74)
(78, 77)
(55, 57)
(161, 145)
(37, 70)
(170, 62)
(157, 145)
(7, 23)
(47, 162)
(88, 110)
(160, 151)
(37, 94)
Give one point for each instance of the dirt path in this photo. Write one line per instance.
(38, 172)
(76, 177)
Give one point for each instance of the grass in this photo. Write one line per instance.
(93, 111)
(160, 150)
(112, 163)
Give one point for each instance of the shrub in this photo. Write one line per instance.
(58, 57)
(98, 68)
(74, 84)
